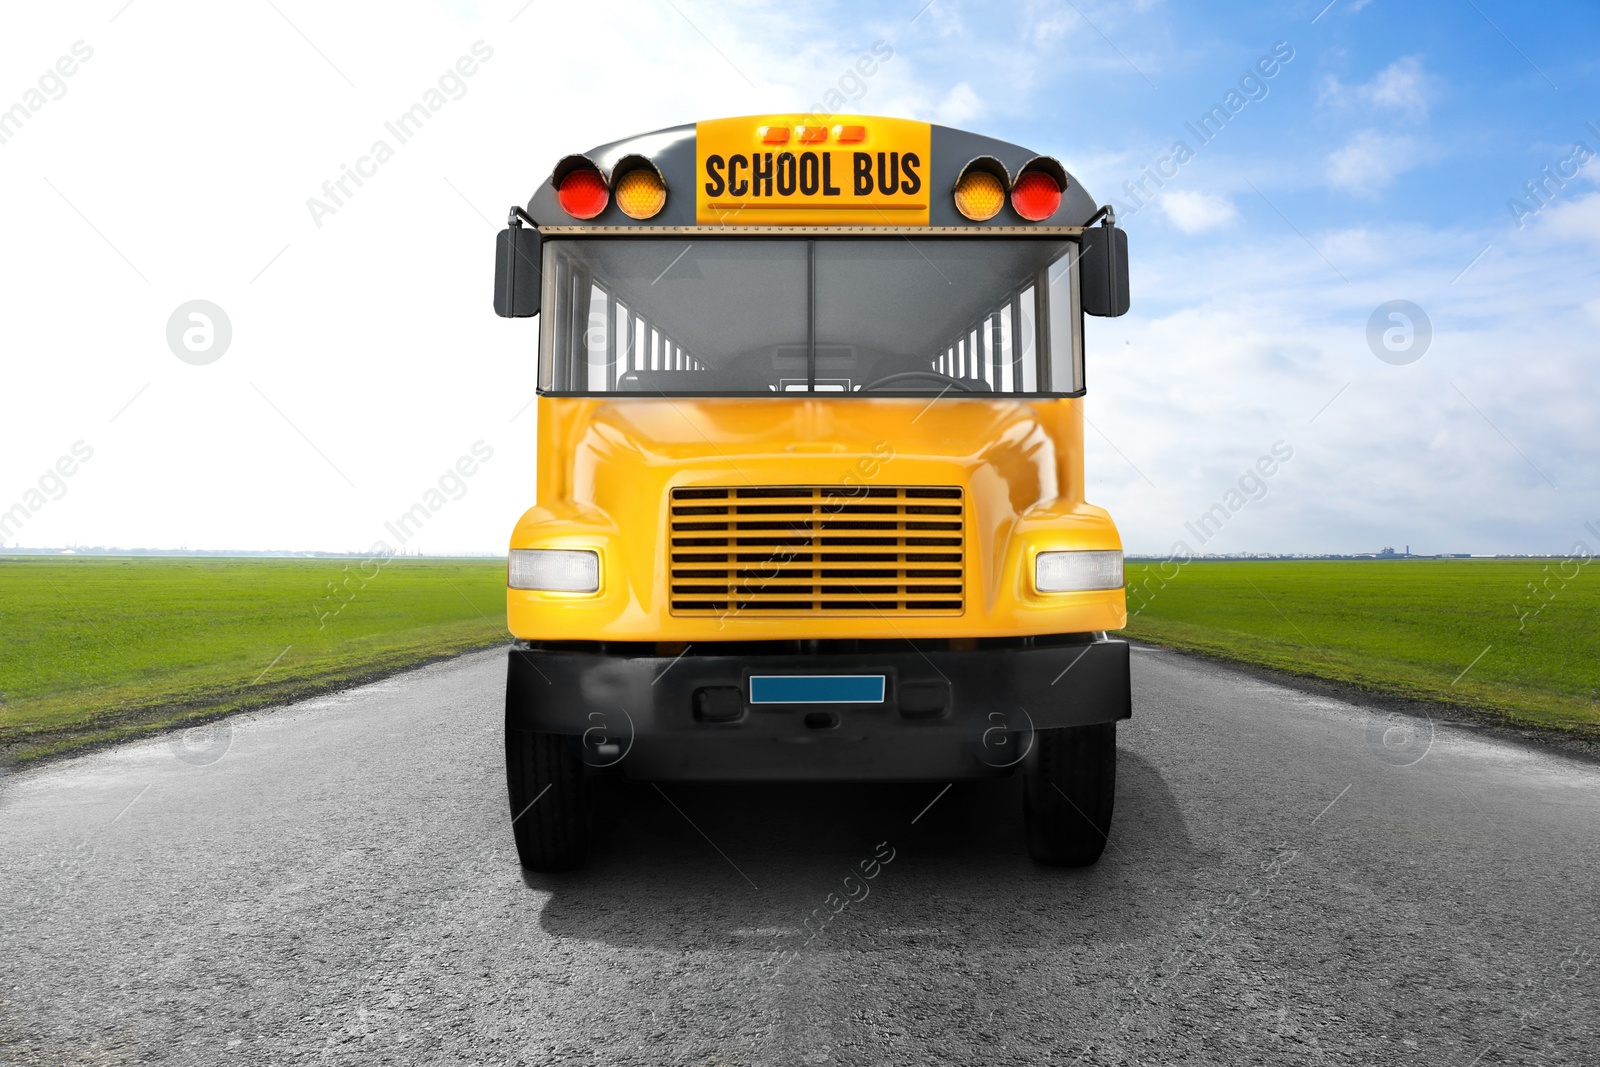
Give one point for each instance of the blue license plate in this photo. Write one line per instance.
(816, 689)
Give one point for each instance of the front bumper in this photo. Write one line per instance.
(950, 710)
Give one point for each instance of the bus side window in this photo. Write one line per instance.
(1065, 332)
(622, 318)
(577, 324)
(1024, 316)
(597, 341)
(570, 323)
(1005, 345)
(557, 271)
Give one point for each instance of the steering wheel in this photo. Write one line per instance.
(925, 375)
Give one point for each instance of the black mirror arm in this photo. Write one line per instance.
(518, 216)
(1106, 216)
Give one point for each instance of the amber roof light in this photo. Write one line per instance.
(980, 194)
(641, 193)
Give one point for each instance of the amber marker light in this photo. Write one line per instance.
(810, 134)
(641, 193)
(773, 134)
(980, 195)
(849, 134)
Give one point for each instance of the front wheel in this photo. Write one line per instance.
(549, 800)
(1069, 786)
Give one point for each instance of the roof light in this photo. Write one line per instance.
(773, 134)
(583, 193)
(980, 195)
(641, 193)
(849, 134)
(810, 134)
(1036, 196)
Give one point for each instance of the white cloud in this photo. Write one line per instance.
(1203, 376)
(1049, 28)
(1573, 219)
(1401, 86)
(959, 107)
(1331, 91)
(1196, 212)
(1370, 161)
(1352, 247)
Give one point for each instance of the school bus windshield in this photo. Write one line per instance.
(735, 316)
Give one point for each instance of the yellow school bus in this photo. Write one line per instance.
(810, 487)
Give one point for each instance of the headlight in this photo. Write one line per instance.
(553, 570)
(1077, 572)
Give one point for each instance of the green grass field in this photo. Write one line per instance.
(1411, 628)
(98, 648)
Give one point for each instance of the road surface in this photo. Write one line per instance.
(334, 882)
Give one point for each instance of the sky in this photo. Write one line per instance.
(1387, 158)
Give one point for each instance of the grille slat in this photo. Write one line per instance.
(817, 550)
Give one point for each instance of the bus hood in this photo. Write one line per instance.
(999, 449)
(611, 472)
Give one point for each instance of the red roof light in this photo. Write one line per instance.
(1036, 195)
(583, 193)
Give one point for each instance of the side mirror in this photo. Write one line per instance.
(1105, 271)
(518, 272)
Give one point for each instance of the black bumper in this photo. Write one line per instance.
(946, 713)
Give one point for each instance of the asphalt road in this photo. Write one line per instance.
(335, 882)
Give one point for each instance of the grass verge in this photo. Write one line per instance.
(1513, 641)
(100, 649)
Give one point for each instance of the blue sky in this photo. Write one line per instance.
(1377, 166)
(1474, 107)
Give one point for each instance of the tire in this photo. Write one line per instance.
(1069, 788)
(549, 800)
